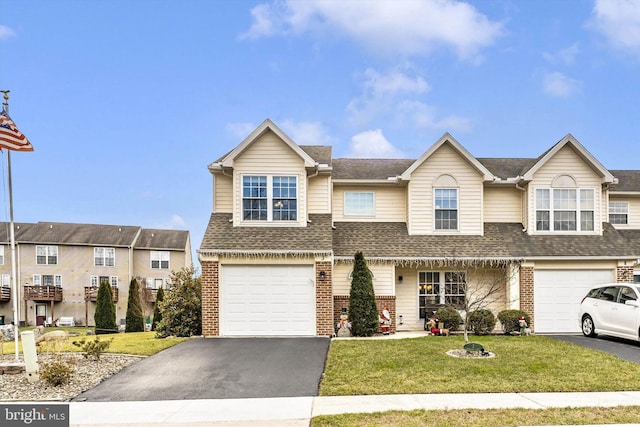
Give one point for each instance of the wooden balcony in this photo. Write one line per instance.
(91, 293)
(5, 293)
(149, 295)
(43, 293)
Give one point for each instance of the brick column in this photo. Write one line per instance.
(624, 274)
(526, 292)
(210, 298)
(324, 299)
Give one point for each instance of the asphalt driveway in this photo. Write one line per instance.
(624, 349)
(220, 368)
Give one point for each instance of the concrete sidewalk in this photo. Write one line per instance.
(298, 411)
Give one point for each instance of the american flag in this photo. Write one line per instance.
(10, 137)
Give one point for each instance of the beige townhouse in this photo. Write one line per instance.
(60, 266)
(287, 220)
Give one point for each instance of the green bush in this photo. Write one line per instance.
(135, 319)
(56, 372)
(182, 306)
(93, 348)
(363, 312)
(105, 315)
(482, 321)
(450, 317)
(157, 314)
(509, 320)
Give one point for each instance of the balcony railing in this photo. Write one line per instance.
(5, 293)
(149, 294)
(43, 293)
(91, 293)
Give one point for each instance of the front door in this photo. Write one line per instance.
(41, 314)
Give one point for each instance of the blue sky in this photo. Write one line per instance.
(127, 102)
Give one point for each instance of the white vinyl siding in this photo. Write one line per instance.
(269, 156)
(389, 204)
(319, 192)
(222, 194)
(503, 204)
(383, 278)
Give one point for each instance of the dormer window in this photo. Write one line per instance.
(565, 209)
(446, 209)
(269, 198)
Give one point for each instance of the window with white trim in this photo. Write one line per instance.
(114, 281)
(359, 203)
(565, 209)
(1, 255)
(46, 255)
(619, 212)
(160, 259)
(446, 208)
(47, 280)
(269, 198)
(437, 288)
(6, 280)
(104, 257)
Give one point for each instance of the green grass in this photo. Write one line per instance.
(136, 343)
(483, 418)
(522, 364)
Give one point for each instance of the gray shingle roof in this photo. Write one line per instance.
(319, 153)
(222, 236)
(20, 228)
(369, 168)
(628, 180)
(500, 241)
(507, 168)
(162, 239)
(79, 234)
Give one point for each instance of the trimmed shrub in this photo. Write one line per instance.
(182, 306)
(157, 314)
(56, 372)
(105, 315)
(450, 317)
(482, 321)
(509, 320)
(363, 312)
(135, 317)
(93, 348)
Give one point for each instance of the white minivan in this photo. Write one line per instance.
(611, 309)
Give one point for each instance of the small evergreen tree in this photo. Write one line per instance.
(135, 317)
(182, 305)
(157, 314)
(105, 315)
(363, 312)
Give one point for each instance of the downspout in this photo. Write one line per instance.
(524, 206)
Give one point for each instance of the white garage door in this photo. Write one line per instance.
(258, 300)
(557, 295)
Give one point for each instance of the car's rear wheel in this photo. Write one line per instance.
(588, 329)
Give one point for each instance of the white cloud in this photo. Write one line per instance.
(560, 86)
(306, 133)
(565, 56)
(425, 117)
(372, 144)
(241, 130)
(6, 32)
(409, 27)
(380, 92)
(176, 222)
(619, 22)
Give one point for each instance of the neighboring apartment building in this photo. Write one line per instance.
(61, 265)
(287, 220)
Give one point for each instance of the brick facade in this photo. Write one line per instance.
(624, 274)
(382, 302)
(210, 298)
(324, 299)
(526, 292)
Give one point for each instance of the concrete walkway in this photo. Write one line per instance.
(298, 411)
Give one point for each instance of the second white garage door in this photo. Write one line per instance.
(557, 295)
(267, 300)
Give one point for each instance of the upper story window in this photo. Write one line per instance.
(104, 257)
(47, 280)
(160, 259)
(269, 198)
(619, 212)
(1, 255)
(46, 255)
(359, 203)
(446, 209)
(565, 209)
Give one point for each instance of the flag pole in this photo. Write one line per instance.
(14, 279)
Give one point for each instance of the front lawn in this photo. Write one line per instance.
(136, 343)
(522, 364)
